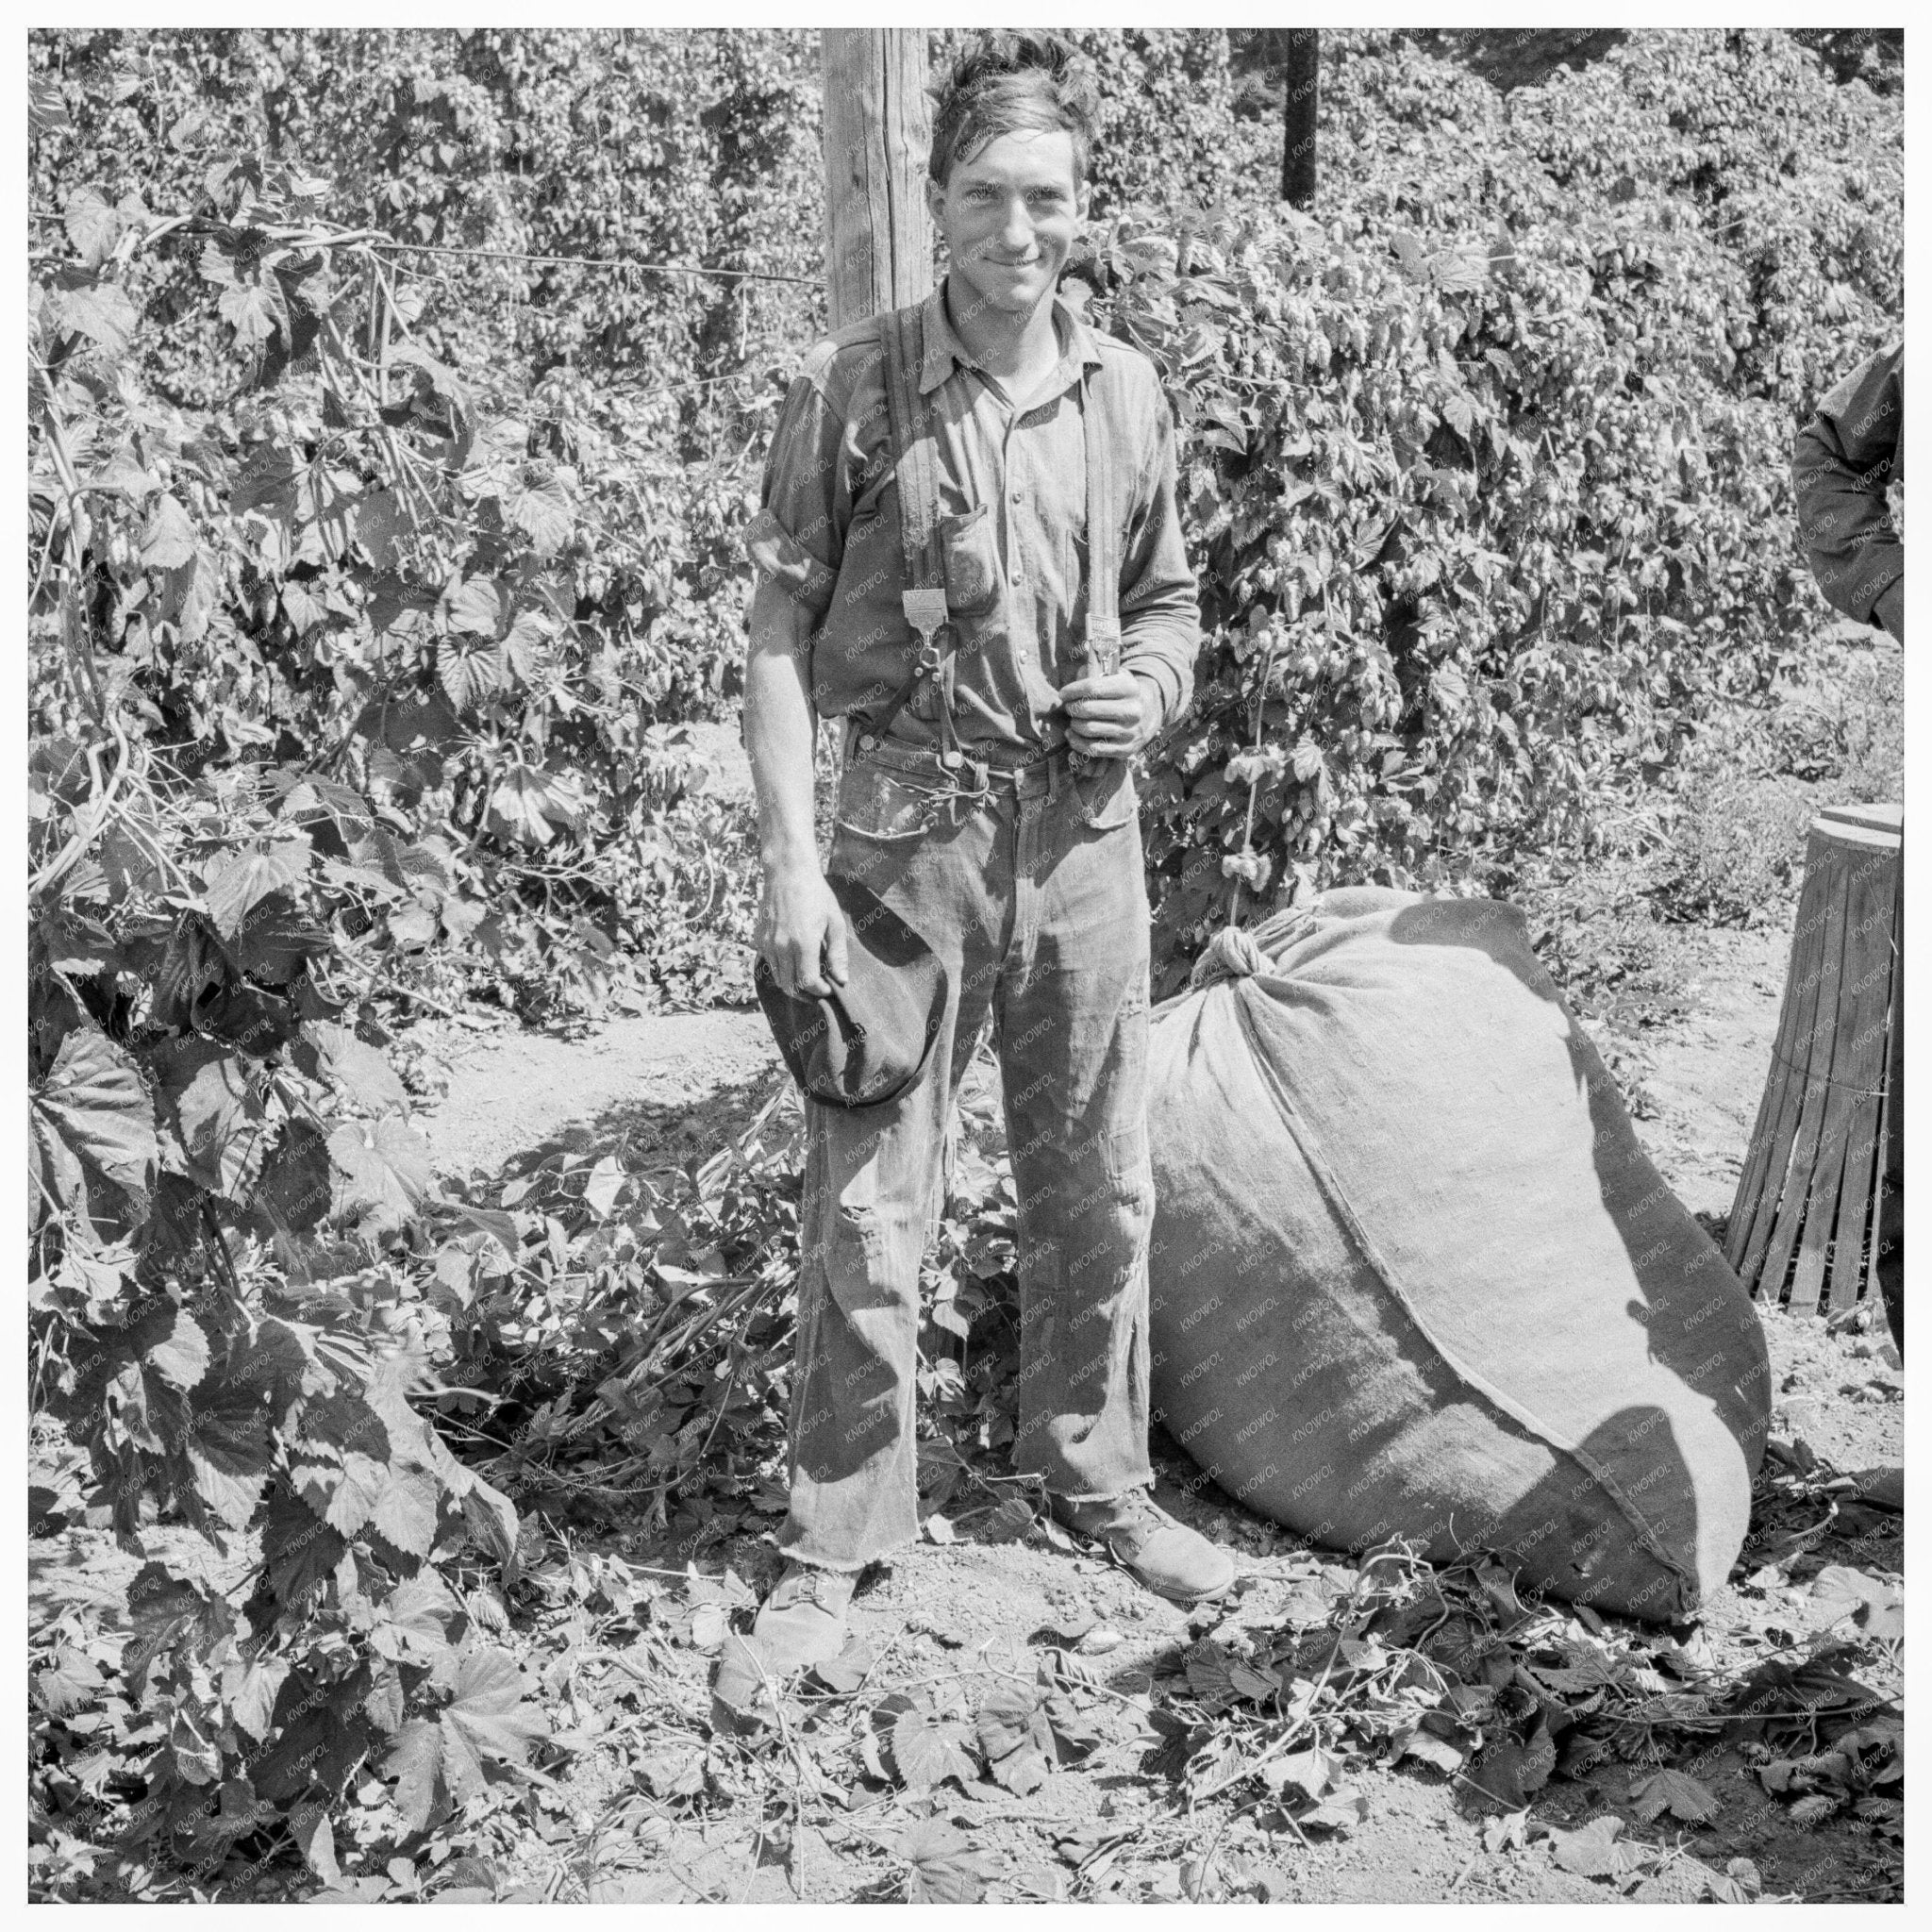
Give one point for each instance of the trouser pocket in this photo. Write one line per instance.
(1106, 794)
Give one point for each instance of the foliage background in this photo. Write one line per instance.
(380, 559)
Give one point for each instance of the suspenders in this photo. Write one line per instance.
(915, 459)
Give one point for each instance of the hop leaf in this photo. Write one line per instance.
(1677, 1793)
(96, 1109)
(488, 1723)
(1599, 1850)
(103, 314)
(239, 881)
(168, 539)
(946, 1868)
(926, 1749)
(385, 1171)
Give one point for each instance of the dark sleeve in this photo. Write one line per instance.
(798, 536)
(1160, 603)
(1840, 463)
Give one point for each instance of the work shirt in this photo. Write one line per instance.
(1013, 488)
(1844, 459)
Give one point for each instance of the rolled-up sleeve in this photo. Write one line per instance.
(1840, 463)
(796, 538)
(1159, 604)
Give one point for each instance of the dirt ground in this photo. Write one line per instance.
(665, 1088)
(625, 1815)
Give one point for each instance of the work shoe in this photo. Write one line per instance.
(1168, 1557)
(803, 1621)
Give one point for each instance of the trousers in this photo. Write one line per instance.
(1029, 888)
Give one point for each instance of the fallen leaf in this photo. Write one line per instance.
(1599, 1850)
(1010, 1522)
(1046, 1881)
(1677, 1793)
(1310, 1772)
(671, 1771)
(1504, 1833)
(1338, 1811)
(1511, 1774)
(1877, 1609)
(846, 1672)
(940, 1530)
(1071, 1624)
(1812, 1810)
(926, 1749)
(1431, 1749)
(1256, 1686)
(946, 1868)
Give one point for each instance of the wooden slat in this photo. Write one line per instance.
(1757, 1198)
(1833, 1211)
(1754, 1210)
(1823, 854)
(1889, 1233)
(1868, 1072)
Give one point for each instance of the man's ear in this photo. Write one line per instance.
(935, 203)
(1082, 195)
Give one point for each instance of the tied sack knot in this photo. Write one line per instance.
(1232, 954)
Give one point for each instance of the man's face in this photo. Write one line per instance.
(1010, 216)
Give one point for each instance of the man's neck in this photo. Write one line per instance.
(1018, 350)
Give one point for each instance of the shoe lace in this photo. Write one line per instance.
(806, 1587)
(1138, 1511)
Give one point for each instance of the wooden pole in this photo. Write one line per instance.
(1302, 95)
(878, 133)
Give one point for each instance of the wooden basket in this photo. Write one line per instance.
(1814, 1210)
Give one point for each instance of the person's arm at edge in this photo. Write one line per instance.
(1841, 462)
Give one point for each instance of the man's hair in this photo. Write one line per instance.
(1006, 83)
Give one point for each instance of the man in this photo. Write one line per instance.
(988, 802)
(1840, 464)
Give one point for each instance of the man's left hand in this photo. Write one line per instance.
(1111, 717)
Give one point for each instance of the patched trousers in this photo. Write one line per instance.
(1032, 895)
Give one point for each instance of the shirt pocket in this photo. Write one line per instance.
(971, 549)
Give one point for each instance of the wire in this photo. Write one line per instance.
(669, 268)
(353, 238)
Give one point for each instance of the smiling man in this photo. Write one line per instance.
(969, 552)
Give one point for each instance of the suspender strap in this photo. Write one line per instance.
(916, 467)
(1102, 639)
(901, 337)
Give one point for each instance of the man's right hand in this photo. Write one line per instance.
(801, 931)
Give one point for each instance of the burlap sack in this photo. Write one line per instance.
(1412, 1274)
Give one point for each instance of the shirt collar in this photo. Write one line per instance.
(946, 352)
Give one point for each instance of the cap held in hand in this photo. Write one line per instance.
(865, 1043)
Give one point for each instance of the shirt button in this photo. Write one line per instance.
(1016, 577)
(1019, 496)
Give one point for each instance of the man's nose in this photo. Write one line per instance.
(1016, 230)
